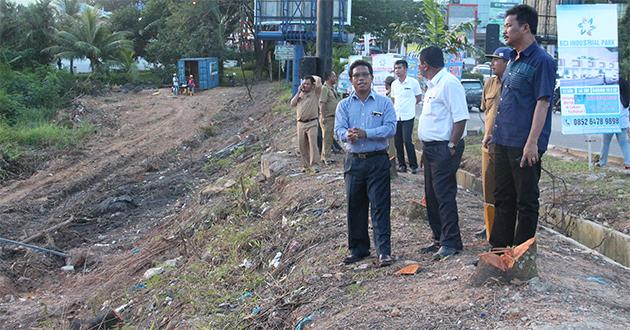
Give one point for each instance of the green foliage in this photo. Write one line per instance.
(433, 31)
(339, 52)
(90, 37)
(376, 16)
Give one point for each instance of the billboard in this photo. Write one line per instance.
(588, 68)
(458, 14)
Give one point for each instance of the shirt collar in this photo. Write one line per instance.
(526, 52)
(353, 95)
(436, 79)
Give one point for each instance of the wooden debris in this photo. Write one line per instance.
(505, 265)
(409, 270)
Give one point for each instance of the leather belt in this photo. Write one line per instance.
(306, 121)
(434, 143)
(365, 155)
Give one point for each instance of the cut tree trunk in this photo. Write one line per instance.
(507, 265)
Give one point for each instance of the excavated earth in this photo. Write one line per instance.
(175, 184)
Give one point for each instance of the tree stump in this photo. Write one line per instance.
(505, 265)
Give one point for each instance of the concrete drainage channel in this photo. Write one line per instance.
(607, 241)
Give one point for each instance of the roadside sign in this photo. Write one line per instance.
(284, 52)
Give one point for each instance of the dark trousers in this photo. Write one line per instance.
(403, 142)
(516, 198)
(368, 185)
(440, 188)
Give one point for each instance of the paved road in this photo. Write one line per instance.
(557, 138)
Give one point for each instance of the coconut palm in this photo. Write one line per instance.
(89, 37)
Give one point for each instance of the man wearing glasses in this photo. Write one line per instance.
(364, 121)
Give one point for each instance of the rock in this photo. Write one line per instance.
(116, 204)
(209, 191)
(395, 312)
(273, 163)
(416, 212)
(152, 272)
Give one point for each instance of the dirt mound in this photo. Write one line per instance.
(176, 228)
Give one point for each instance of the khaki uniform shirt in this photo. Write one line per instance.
(308, 106)
(330, 98)
(490, 101)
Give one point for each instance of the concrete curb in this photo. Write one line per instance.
(583, 154)
(607, 241)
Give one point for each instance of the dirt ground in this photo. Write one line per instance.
(178, 179)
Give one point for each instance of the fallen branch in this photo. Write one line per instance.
(32, 247)
(48, 230)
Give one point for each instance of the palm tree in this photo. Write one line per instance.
(89, 37)
(67, 12)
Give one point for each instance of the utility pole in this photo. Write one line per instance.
(324, 36)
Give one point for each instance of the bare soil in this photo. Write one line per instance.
(179, 177)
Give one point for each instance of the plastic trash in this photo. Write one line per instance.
(305, 320)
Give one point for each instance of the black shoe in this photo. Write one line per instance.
(414, 170)
(402, 168)
(444, 252)
(481, 234)
(352, 258)
(434, 247)
(385, 260)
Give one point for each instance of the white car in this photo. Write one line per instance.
(484, 70)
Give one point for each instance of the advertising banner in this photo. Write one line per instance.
(588, 68)
(497, 14)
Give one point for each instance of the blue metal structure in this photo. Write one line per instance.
(294, 21)
(205, 70)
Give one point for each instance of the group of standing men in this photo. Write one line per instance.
(315, 104)
(518, 125)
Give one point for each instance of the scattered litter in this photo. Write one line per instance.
(101, 245)
(409, 270)
(226, 306)
(152, 272)
(245, 296)
(135, 250)
(362, 267)
(294, 175)
(304, 321)
(597, 279)
(139, 286)
(123, 307)
(246, 264)
(285, 221)
(256, 310)
(173, 262)
(327, 275)
(275, 263)
(483, 315)
(68, 268)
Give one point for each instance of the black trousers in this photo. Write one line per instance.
(440, 188)
(368, 186)
(516, 198)
(403, 142)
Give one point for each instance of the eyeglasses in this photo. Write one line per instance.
(361, 75)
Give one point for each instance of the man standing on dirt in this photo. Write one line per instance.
(327, 105)
(406, 93)
(489, 104)
(306, 103)
(521, 130)
(365, 120)
(441, 128)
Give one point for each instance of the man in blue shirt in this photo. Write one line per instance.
(522, 129)
(364, 121)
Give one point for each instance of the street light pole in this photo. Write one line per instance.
(324, 36)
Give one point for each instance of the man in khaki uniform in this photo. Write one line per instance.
(327, 106)
(489, 104)
(306, 103)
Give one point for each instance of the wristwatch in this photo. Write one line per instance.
(451, 145)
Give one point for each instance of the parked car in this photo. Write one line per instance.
(474, 89)
(484, 70)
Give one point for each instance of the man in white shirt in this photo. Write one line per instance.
(406, 93)
(441, 128)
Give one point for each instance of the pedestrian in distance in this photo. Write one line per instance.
(521, 130)
(622, 136)
(489, 103)
(327, 106)
(175, 85)
(191, 85)
(406, 93)
(365, 121)
(306, 104)
(442, 128)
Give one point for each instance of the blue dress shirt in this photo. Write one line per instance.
(375, 116)
(525, 81)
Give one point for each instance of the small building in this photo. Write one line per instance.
(205, 70)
